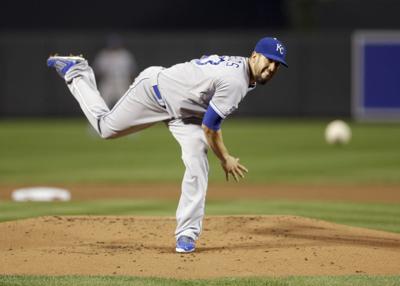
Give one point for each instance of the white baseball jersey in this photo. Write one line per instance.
(219, 81)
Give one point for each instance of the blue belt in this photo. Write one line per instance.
(159, 99)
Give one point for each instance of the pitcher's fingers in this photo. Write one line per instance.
(243, 168)
(238, 171)
(227, 176)
(234, 175)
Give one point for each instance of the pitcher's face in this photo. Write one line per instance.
(263, 69)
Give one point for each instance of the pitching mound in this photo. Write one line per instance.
(230, 246)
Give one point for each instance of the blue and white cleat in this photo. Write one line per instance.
(63, 64)
(185, 244)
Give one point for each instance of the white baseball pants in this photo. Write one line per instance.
(139, 109)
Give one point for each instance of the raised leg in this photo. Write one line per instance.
(136, 110)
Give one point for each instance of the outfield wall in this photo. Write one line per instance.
(317, 82)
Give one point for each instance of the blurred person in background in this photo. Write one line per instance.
(115, 68)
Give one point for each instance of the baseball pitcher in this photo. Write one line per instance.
(193, 98)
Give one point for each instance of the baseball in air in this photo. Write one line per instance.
(337, 132)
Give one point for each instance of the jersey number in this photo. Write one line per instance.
(212, 60)
(216, 60)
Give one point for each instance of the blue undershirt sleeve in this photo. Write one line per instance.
(211, 119)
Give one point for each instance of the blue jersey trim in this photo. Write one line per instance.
(217, 110)
(211, 119)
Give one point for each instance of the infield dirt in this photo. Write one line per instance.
(230, 246)
(170, 191)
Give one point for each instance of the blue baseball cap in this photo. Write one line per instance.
(272, 49)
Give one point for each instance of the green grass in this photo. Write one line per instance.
(370, 215)
(359, 280)
(275, 151)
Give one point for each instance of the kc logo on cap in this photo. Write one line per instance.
(272, 49)
(280, 48)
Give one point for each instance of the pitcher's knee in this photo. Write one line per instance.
(104, 129)
(196, 162)
(195, 152)
(108, 135)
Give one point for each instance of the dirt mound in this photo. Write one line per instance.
(230, 246)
